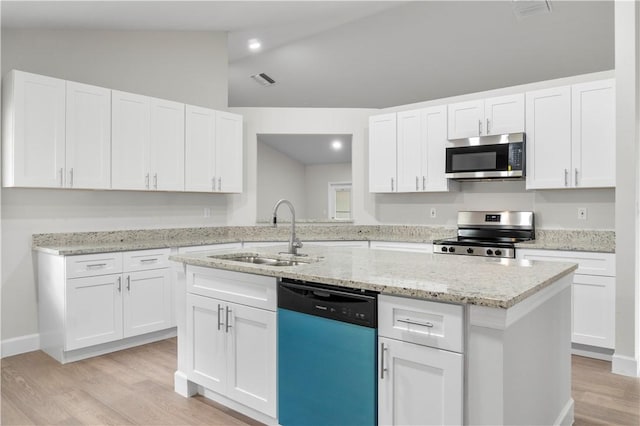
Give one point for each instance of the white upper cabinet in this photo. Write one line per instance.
(593, 124)
(33, 131)
(229, 152)
(200, 149)
(88, 137)
(422, 138)
(130, 141)
(382, 153)
(491, 116)
(571, 136)
(213, 151)
(166, 155)
(548, 138)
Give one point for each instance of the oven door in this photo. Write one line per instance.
(501, 160)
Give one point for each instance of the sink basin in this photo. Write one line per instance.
(260, 260)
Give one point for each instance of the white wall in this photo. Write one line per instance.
(317, 179)
(279, 176)
(185, 66)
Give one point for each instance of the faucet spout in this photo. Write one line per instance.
(294, 243)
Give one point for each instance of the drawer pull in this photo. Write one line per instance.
(96, 265)
(149, 260)
(423, 324)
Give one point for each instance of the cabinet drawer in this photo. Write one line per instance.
(439, 325)
(589, 263)
(89, 265)
(247, 289)
(146, 259)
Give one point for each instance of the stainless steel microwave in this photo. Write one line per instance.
(486, 157)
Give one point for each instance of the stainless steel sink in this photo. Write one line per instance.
(260, 260)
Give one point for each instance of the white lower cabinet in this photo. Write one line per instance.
(98, 299)
(421, 367)
(231, 346)
(592, 294)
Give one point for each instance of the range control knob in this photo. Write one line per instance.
(469, 250)
(498, 252)
(489, 252)
(452, 249)
(443, 249)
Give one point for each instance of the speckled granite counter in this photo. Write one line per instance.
(497, 283)
(98, 242)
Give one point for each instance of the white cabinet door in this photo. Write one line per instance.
(88, 139)
(466, 119)
(382, 153)
(93, 311)
(434, 129)
(252, 357)
(594, 134)
(548, 138)
(504, 114)
(130, 141)
(147, 301)
(200, 149)
(419, 385)
(229, 150)
(33, 131)
(593, 310)
(411, 150)
(166, 162)
(207, 342)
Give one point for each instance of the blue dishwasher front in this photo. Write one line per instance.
(326, 355)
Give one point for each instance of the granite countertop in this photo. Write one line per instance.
(497, 283)
(76, 243)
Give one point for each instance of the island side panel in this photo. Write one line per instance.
(519, 360)
(182, 385)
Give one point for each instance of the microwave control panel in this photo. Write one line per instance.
(516, 156)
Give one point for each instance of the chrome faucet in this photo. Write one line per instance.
(294, 243)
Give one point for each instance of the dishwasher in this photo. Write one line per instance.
(326, 355)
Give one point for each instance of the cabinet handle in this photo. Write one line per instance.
(71, 177)
(227, 326)
(479, 127)
(154, 260)
(119, 284)
(566, 177)
(155, 181)
(423, 324)
(488, 126)
(417, 183)
(61, 177)
(213, 183)
(424, 183)
(96, 265)
(575, 181)
(392, 185)
(382, 367)
(220, 308)
(129, 283)
(146, 180)
(219, 184)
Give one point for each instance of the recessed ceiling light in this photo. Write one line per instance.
(336, 145)
(254, 44)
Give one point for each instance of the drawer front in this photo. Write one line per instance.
(142, 260)
(589, 263)
(247, 289)
(439, 325)
(91, 265)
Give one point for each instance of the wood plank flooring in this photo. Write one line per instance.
(135, 387)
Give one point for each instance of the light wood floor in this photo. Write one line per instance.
(135, 386)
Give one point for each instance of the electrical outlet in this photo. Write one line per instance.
(582, 213)
(433, 213)
(206, 212)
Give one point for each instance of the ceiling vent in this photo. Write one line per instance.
(263, 79)
(525, 8)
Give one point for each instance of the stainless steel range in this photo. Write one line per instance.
(488, 233)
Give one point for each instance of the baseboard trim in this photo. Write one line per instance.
(625, 366)
(20, 345)
(566, 416)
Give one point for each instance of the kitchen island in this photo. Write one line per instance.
(515, 328)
